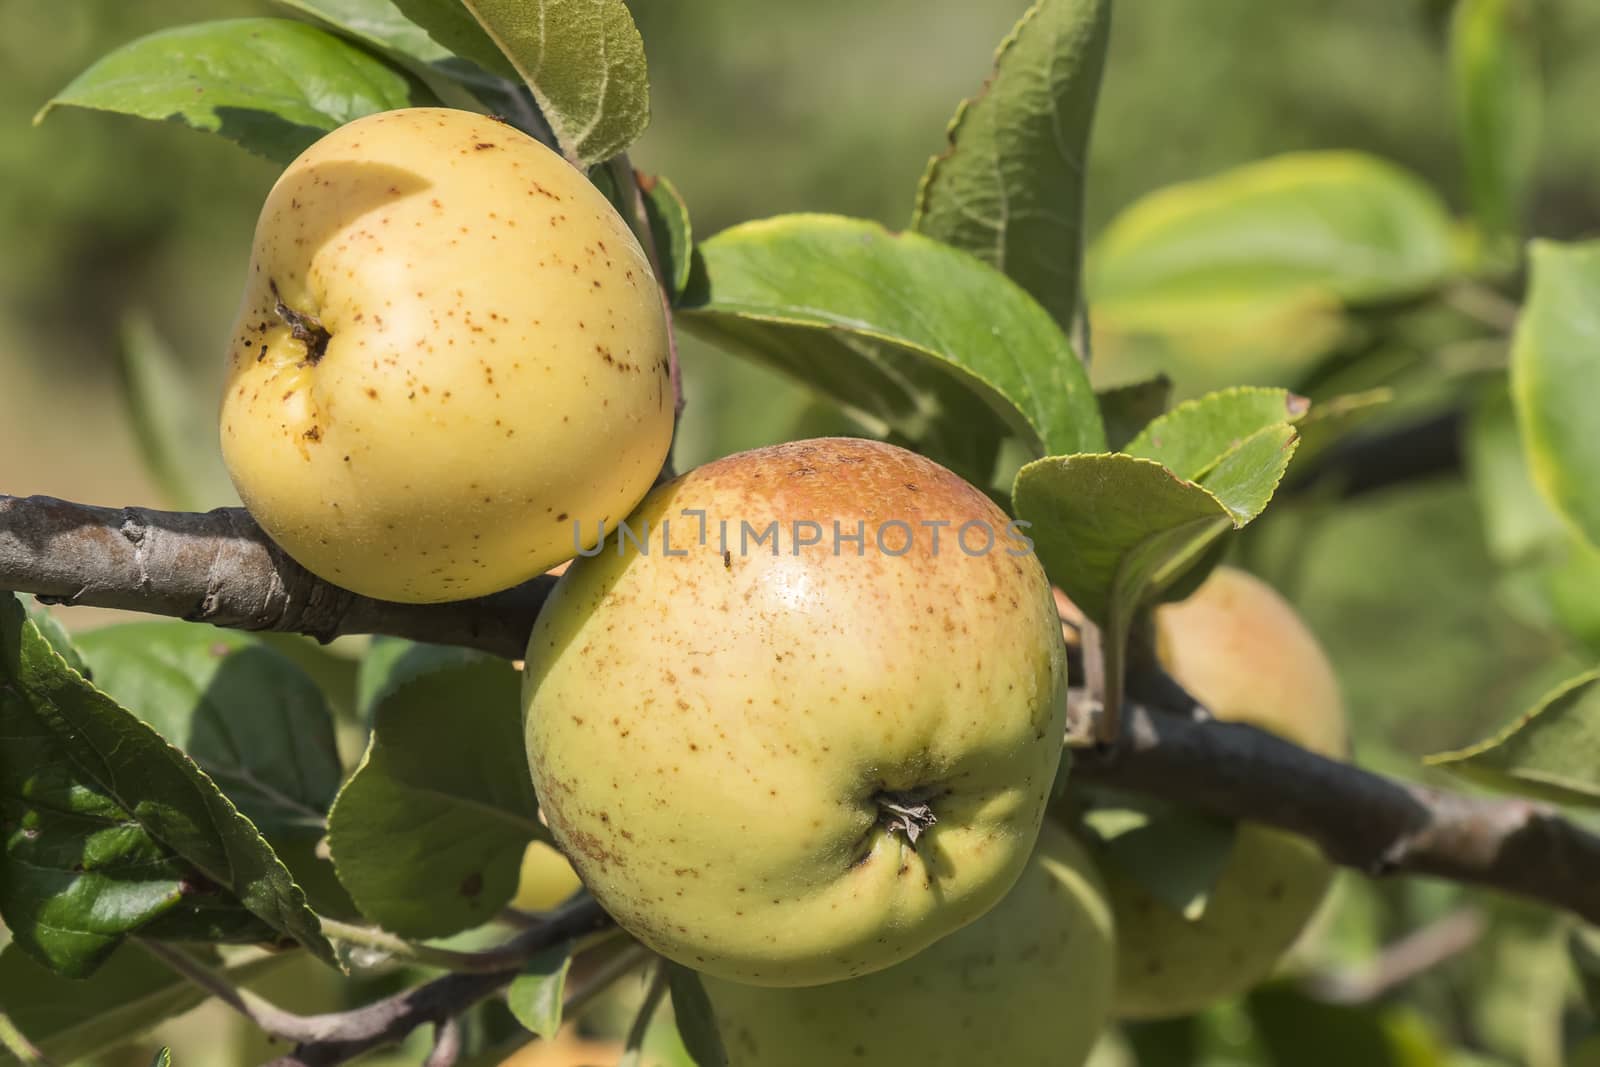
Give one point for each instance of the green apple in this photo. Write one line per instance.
(449, 352)
(785, 756)
(1027, 985)
(1243, 651)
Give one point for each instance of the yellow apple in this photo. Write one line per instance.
(790, 762)
(1027, 985)
(449, 353)
(1243, 651)
(546, 880)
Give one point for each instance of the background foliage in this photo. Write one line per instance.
(1436, 608)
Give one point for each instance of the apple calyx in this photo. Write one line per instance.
(302, 327)
(907, 813)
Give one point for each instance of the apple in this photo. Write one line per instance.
(567, 1049)
(1242, 651)
(1027, 985)
(546, 880)
(799, 759)
(450, 356)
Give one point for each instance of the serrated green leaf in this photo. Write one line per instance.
(697, 1025)
(1010, 187)
(583, 60)
(918, 336)
(1175, 855)
(1494, 69)
(246, 714)
(1128, 409)
(1552, 751)
(428, 838)
(1267, 237)
(1191, 439)
(51, 630)
(109, 830)
(1554, 378)
(175, 428)
(162, 1058)
(271, 85)
(535, 996)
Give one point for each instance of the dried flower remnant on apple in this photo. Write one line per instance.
(741, 789)
(449, 348)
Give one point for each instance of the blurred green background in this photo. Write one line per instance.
(835, 105)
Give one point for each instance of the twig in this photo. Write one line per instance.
(220, 567)
(1483, 305)
(446, 1045)
(1417, 952)
(266, 1016)
(17, 1044)
(1360, 819)
(482, 961)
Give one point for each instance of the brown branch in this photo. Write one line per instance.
(1416, 953)
(219, 567)
(1360, 819)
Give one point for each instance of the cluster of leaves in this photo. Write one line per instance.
(169, 783)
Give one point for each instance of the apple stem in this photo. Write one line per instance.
(303, 328)
(908, 814)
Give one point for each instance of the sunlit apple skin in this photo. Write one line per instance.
(494, 367)
(1241, 649)
(713, 735)
(1028, 984)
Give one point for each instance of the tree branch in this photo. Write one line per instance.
(338, 1037)
(220, 567)
(1362, 820)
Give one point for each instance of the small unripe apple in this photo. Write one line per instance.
(795, 760)
(1240, 649)
(449, 352)
(546, 879)
(1027, 985)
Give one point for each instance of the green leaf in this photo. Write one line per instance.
(1551, 752)
(535, 995)
(108, 829)
(1249, 243)
(252, 720)
(583, 60)
(1583, 944)
(428, 838)
(1332, 420)
(452, 25)
(51, 630)
(1010, 187)
(1116, 531)
(1175, 855)
(1127, 409)
(271, 85)
(901, 329)
(674, 237)
(162, 1058)
(1191, 439)
(1555, 377)
(175, 428)
(697, 1025)
(391, 662)
(382, 24)
(1296, 1030)
(1518, 524)
(1495, 73)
